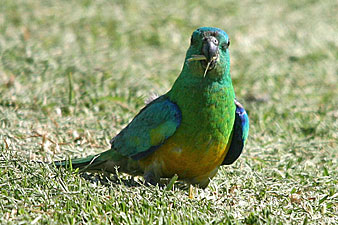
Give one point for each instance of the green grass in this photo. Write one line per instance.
(73, 73)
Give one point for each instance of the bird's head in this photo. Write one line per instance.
(208, 54)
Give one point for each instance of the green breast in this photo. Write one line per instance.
(208, 112)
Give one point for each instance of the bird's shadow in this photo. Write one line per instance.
(109, 179)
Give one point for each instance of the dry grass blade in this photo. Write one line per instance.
(197, 58)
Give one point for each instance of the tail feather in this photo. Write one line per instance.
(88, 163)
(106, 161)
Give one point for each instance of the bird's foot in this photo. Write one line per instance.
(151, 179)
(191, 191)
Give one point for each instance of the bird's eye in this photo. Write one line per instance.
(226, 45)
(192, 41)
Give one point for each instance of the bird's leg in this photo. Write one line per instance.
(150, 178)
(191, 191)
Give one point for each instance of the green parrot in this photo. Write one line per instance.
(191, 131)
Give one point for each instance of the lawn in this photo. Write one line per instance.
(73, 73)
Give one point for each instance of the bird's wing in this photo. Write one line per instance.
(239, 136)
(149, 129)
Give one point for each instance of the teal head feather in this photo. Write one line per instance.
(209, 45)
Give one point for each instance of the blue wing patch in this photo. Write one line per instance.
(154, 124)
(239, 136)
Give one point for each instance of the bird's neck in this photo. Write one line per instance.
(192, 92)
(192, 87)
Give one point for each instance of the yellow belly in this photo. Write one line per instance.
(193, 159)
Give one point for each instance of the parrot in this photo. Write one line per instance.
(190, 131)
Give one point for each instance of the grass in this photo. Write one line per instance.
(73, 73)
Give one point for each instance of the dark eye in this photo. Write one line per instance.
(226, 45)
(192, 41)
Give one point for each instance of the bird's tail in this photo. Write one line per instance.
(92, 162)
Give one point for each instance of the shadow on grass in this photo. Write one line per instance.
(109, 179)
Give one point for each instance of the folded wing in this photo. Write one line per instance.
(239, 136)
(154, 124)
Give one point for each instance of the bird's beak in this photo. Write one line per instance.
(210, 48)
(209, 54)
